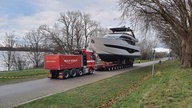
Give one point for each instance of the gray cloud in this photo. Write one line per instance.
(47, 12)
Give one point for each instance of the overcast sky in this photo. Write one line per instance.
(21, 16)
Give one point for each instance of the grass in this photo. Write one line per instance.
(141, 61)
(21, 76)
(147, 60)
(170, 87)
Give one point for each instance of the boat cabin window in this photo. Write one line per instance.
(128, 40)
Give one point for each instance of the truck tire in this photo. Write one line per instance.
(65, 74)
(79, 72)
(91, 71)
(73, 73)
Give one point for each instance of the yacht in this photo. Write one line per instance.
(118, 45)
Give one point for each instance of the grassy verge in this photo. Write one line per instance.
(141, 61)
(171, 87)
(20, 76)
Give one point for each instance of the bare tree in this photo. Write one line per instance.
(173, 14)
(102, 31)
(147, 46)
(19, 62)
(8, 56)
(72, 31)
(161, 54)
(78, 26)
(78, 34)
(54, 38)
(171, 39)
(69, 21)
(90, 28)
(35, 39)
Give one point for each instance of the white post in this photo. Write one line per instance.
(153, 67)
(169, 54)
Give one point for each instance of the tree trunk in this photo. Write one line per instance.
(187, 59)
(183, 47)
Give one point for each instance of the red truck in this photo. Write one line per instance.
(64, 66)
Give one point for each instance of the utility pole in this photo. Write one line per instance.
(153, 67)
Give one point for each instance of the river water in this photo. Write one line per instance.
(2, 66)
(21, 54)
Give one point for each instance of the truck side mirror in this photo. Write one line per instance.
(93, 57)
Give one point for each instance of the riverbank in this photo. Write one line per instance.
(21, 76)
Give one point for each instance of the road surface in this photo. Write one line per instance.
(15, 94)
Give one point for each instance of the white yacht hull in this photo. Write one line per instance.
(108, 48)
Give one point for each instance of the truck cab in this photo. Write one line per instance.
(64, 66)
(88, 59)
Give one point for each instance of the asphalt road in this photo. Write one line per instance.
(15, 94)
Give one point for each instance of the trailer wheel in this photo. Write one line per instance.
(112, 68)
(66, 74)
(79, 72)
(73, 73)
(91, 71)
(115, 68)
(131, 65)
(109, 69)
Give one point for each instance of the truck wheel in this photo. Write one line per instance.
(79, 72)
(91, 71)
(73, 73)
(66, 74)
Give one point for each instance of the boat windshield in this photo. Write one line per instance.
(112, 36)
(126, 37)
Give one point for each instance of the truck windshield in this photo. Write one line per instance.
(93, 57)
